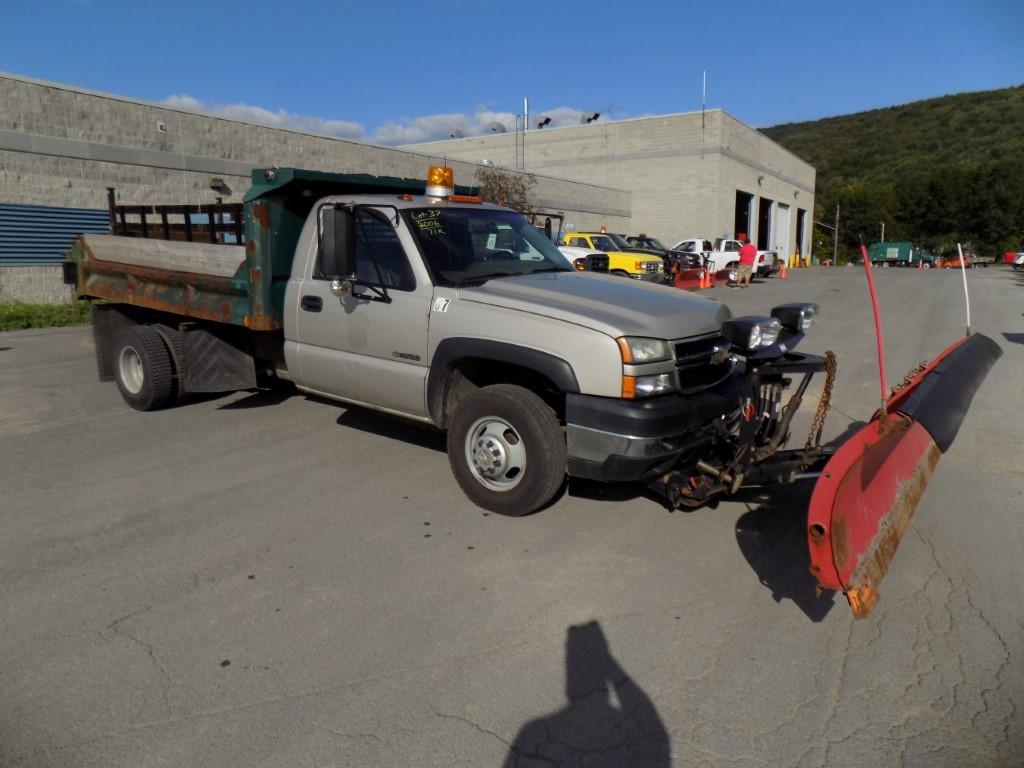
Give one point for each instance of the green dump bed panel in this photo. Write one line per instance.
(225, 283)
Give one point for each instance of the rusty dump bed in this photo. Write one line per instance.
(200, 280)
(157, 265)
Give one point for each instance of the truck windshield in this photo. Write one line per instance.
(603, 243)
(619, 241)
(469, 245)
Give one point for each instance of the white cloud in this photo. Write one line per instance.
(280, 119)
(405, 130)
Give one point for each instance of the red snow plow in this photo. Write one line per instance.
(868, 487)
(868, 490)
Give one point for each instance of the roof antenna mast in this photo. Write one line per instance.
(703, 101)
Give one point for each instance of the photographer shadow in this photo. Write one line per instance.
(609, 720)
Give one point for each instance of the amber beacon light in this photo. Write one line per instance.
(440, 181)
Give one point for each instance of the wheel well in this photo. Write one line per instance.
(466, 376)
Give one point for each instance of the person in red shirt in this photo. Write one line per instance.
(748, 255)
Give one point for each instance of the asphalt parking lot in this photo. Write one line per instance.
(263, 581)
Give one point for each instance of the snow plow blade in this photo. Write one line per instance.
(864, 499)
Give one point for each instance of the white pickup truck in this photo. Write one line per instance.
(725, 255)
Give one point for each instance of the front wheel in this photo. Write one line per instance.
(621, 273)
(506, 450)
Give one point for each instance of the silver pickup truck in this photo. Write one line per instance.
(419, 300)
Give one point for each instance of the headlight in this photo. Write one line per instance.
(636, 350)
(796, 317)
(646, 386)
(751, 332)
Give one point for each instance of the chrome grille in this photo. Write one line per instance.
(701, 362)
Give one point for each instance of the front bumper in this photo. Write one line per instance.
(615, 440)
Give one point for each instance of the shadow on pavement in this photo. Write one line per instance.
(1016, 338)
(772, 537)
(609, 720)
(593, 490)
(382, 425)
(259, 399)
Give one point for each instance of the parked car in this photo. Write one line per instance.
(970, 261)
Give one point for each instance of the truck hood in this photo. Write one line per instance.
(612, 305)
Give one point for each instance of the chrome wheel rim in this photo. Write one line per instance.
(495, 452)
(129, 366)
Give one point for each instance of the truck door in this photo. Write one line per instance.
(364, 346)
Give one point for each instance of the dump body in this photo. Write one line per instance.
(224, 283)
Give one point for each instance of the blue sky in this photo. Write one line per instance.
(394, 71)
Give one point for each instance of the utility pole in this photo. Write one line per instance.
(526, 126)
(835, 239)
(883, 233)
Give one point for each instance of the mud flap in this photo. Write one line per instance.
(868, 491)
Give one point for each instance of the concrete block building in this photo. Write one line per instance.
(690, 175)
(62, 146)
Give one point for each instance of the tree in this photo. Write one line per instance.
(506, 188)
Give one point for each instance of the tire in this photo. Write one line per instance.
(621, 273)
(143, 368)
(176, 346)
(506, 450)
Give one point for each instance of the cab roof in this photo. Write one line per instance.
(286, 182)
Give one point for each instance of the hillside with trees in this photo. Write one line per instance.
(937, 172)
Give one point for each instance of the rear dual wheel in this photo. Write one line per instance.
(143, 368)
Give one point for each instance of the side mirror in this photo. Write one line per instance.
(337, 241)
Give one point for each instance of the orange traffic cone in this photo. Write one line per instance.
(710, 280)
(782, 272)
(703, 279)
(920, 264)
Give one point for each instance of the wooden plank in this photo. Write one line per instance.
(201, 258)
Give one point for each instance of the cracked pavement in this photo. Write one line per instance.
(257, 581)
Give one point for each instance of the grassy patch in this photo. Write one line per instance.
(17, 315)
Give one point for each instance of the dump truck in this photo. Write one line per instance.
(416, 299)
(899, 254)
